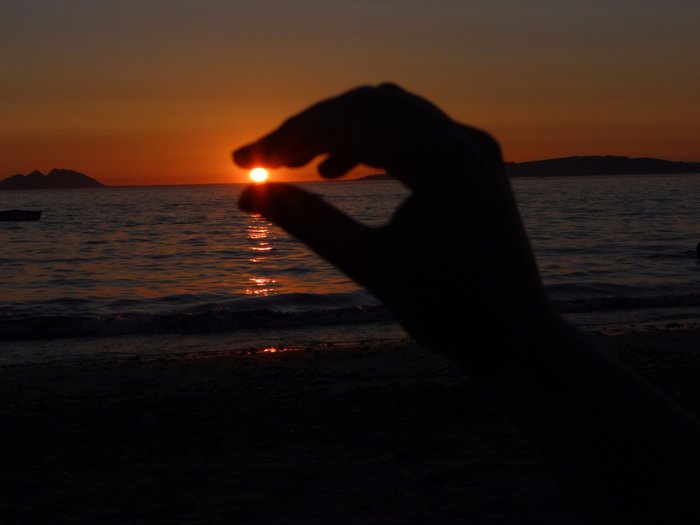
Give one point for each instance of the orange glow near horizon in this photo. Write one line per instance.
(170, 103)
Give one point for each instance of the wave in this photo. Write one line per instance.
(272, 312)
(45, 320)
(601, 304)
(211, 321)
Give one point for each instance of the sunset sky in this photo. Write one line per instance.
(159, 92)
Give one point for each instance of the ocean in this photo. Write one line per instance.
(185, 260)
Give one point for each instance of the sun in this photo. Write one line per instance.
(259, 175)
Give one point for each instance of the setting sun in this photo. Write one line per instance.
(259, 174)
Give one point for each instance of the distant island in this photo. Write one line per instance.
(56, 179)
(599, 165)
(588, 165)
(376, 176)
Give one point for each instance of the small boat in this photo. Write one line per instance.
(20, 215)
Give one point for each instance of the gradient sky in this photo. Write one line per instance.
(159, 92)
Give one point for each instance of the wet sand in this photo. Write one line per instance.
(367, 433)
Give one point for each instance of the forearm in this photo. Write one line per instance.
(625, 451)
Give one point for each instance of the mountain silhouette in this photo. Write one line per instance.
(56, 179)
(599, 165)
(587, 165)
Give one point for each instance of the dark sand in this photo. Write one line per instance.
(373, 433)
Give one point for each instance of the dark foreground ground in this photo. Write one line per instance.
(381, 433)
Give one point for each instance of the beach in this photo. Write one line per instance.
(362, 432)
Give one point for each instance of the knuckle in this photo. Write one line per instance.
(389, 86)
(291, 122)
(490, 143)
(485, 142)
(362, 95)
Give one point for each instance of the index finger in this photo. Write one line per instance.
(264, 150)
(404, 150)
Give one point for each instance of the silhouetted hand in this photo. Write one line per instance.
(454, 264)
(454, 256)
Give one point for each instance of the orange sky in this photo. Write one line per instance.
(159, 92)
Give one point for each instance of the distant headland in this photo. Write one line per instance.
(56, 179)
(588, 165)
(599, 165)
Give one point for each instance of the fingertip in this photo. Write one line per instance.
(263, 198)
(253, 198)
(245, 200)
(243, 157)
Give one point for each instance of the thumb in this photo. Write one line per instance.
(341, 240)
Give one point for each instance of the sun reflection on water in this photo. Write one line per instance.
(277, 349)
(260, 241)
(261, 286)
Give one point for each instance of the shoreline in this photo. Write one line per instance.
(145, 347)
(342, 432)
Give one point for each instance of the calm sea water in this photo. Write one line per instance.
(172, 259)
